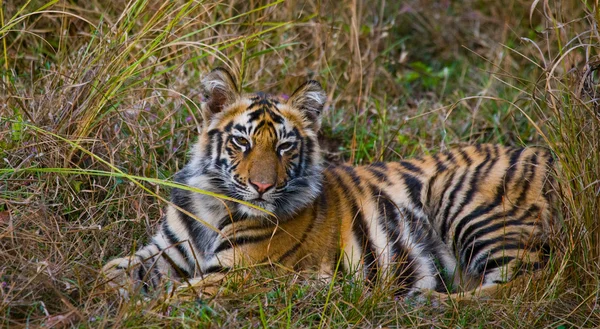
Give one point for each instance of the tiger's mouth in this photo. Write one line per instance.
(258, 201)
(264, 207)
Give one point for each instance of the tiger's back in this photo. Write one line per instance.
(483, 212)
(480, 211)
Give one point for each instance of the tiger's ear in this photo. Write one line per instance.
(219, 89)
(309, 99)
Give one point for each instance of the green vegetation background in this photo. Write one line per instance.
(99, 105)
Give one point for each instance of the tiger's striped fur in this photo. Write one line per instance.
(478, 213)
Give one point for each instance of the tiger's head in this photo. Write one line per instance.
(260, 148)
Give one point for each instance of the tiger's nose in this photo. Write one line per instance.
(261, 187)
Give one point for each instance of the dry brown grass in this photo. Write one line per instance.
(113, 85)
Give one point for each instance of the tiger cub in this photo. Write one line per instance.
(479, 213)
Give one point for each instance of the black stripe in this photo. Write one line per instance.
(253, 116)
(182, 199)
(198, 233)
(218, 138)
(531, 167)
(261, 226)
(379, 165)
(213, 132)
(495, 157)
(414, 187)
(182, 273)
(528, 171)
(509, 246)
(143, 267)
(311, 147)
(411, 167)
(231, 150)
(514, 158)
(439, 165)
(142, 272)
(144, 285)
(490, 225)
(389, 218)
(474, 249)
(269, 129)
(417, 224)
(241, 128)
(380, 175)
(229, 220)
(259, 125)
(305, 143)
(486, 266)
(294, 133)
(228, 127)
(474, 183)
(240, 241)
(211, 136)
(466, 157)
(216, 269)
(449, 201)
(319, 214)
(352, 173)
(253, 105)
(484, 209)
(297, 245)
(450, 157)
(174, 241)
(360, 230)
(406, 275)
(428, 200)
(275, 117)
(443, 192)
(526, 177)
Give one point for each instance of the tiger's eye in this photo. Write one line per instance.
(241, 141)
(284, 147)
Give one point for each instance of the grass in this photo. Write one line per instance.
(98, 107)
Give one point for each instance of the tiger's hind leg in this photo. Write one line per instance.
(521, 283)
(498, 279)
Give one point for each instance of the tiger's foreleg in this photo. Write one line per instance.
(130, 273)
(151, 265)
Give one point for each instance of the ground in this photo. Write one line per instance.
(98, 107)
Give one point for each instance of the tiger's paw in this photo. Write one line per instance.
(207, 285)
(428, 297)
(120, 275)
